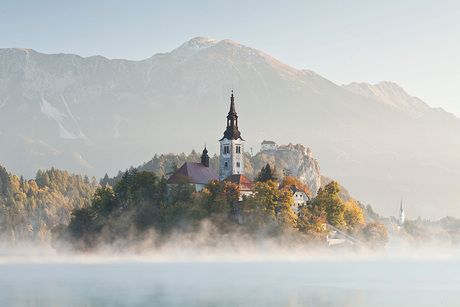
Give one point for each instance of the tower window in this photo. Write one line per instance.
(238, 164)
(226, 149)
(226, 164)
(238, 148)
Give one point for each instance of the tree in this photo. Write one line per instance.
(268, 208)
(376, 235)
(328, 203)
(266, 174)
(182, 190)
(103, 202)
(220, 197)
(311, 225)
(353, 217)
(174, 169)
(80, 222)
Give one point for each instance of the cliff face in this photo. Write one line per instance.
(293, 162)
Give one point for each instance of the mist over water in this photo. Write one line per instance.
(267, 283)
(190, 270)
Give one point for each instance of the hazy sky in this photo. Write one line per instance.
(413, 43)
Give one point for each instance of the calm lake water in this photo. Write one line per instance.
(266, 283)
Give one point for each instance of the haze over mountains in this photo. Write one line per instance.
(94, 115)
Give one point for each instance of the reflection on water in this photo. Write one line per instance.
(324, 283)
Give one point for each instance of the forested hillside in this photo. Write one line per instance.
(140, 209)
(29, 209)
(285, 163)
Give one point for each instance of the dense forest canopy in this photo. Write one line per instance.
(82, 213)
(141, 201)
(29, 209)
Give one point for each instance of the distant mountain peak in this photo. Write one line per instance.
(193, 46)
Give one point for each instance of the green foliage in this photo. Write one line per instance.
(328, 203)
(220, 197)
(29, 209)
(103, 201)
(328, 208)
(164, 165)
(140, 200)
(266, 174)
(268, 209)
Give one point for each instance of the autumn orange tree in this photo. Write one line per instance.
(313, 226)
(269, 208)
(353, 217)
(376, 235)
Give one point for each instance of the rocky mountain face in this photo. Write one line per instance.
(391, 94)
(295, 163)
(95, 115)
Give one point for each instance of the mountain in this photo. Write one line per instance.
(94, 115)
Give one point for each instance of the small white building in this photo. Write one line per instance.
(268, 145)
(300, 198)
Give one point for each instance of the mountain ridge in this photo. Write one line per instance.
(114, 113)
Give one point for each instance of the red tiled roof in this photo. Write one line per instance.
(243, 183)
(289, 146)
(195, 172)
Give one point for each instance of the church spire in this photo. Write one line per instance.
(401, 215)
(205, 157)
(232, 106)
(232, 132)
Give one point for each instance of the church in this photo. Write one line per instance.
(231, 160)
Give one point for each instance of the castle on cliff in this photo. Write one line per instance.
(270, 145)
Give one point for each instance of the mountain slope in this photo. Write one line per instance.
(103, 115)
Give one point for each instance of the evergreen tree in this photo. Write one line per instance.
(266, 174)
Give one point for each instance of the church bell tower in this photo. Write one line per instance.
(231, 146)
(401, 215)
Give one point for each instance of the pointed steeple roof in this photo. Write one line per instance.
(205, 157)
(232, 132)
(232, 111)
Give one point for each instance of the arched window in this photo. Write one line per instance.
(226, 164)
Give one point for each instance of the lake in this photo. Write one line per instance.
(131, 281)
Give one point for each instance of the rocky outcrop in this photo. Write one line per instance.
(292, 162)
